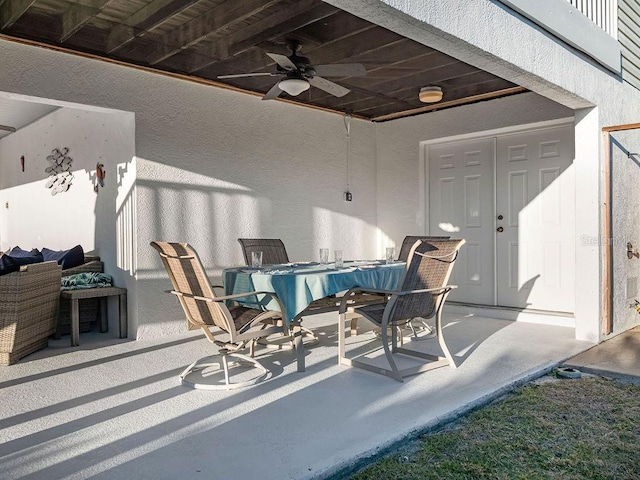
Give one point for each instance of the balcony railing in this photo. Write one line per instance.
(603, 13)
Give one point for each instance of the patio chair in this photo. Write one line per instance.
(410, 240)
(273, 250)
(407, 244)
(423, 293)
(244, 326)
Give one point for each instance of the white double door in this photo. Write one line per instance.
(512, 197)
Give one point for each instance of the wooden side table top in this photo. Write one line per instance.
(92, 292)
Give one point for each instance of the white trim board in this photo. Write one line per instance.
(560, 319)
(500, 131)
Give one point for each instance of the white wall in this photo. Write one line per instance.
(267, 168)
(212, 165)
(253, 169)
(625, 172)
(37, 219)
(482, 34)
(401, 176)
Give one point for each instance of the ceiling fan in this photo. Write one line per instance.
(300, 74)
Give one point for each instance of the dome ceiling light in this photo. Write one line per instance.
(430, 94)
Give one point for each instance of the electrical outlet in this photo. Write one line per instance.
(347, 196)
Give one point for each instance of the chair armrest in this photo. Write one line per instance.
(221, 298)
(345, 298)
(436, 291)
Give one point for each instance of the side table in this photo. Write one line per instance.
(103, 293)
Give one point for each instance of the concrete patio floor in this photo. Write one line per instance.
(114, 409)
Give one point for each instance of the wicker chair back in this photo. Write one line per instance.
(273, 250)
(430, 266)
(190, 280)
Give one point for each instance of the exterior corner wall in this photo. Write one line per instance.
(625, 220)
(481, 33)
(589, 237)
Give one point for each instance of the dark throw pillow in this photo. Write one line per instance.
(10, 264)
(66, 258)
(18, 252)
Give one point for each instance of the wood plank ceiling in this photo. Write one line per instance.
(208, 38)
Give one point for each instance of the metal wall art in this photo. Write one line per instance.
(59, 170)
(100, 174)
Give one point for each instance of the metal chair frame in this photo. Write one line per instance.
(204, 310)
(439, 294)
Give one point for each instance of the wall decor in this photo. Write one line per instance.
(59, 170)
(22, 162)
(100, 174)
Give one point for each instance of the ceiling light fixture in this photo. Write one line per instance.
(430, 94)
(293, 86)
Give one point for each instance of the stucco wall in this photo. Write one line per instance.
(267, 168)
(34, 218)
(37, 219)
(212, 165)
(482, 33)
(401, 176)
(250, 169)
(625, 174)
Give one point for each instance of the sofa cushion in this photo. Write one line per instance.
(10, 263)
(66, 258)
(18, 252)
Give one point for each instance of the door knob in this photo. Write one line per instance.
(500, 217)
(500, 229)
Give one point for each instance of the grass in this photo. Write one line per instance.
(585, 428)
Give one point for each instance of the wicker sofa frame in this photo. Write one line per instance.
(28, 309)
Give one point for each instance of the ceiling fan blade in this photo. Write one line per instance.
(7, 128)
(329, 86)
(283, 61)
(274, 92)
(240, 75)
(340, 70)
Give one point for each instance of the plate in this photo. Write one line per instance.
(250, 269)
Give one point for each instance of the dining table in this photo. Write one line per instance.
(298, 284)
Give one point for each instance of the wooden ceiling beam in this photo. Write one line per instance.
(12, 10)
(144, 20)
(320, 51)
(297, 16)
(269, 28)
(223, 15)
(77, 15)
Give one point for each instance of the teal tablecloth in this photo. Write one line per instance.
(297, 285)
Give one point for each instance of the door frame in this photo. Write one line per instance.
(424, 165)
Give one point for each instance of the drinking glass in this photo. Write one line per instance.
(390, 254)
(256, 259)
(338, 256)
(324, 256)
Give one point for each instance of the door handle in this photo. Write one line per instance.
(500, 229)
